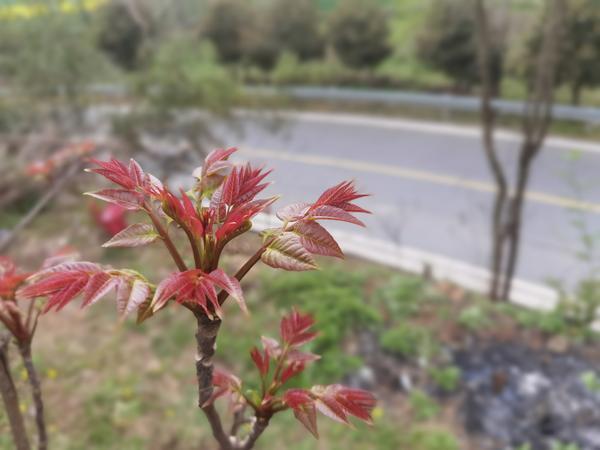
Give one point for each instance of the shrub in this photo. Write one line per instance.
(358, 30)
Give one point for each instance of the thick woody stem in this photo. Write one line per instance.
(11, 400)
(36, 392)
(206, 337)
(258, 427)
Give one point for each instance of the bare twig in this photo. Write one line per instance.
(60, 182)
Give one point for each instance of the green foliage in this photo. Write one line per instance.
(293, 26)
(402, 296)
(184, 74)
(426, 439)
(446, 378)
(336, 300)
(120, 36)
(50, 56)
(410, 341)
(448, 43)
(358, 31)
(474, 317)
(591, 381)
(579, 59)
(562, 446)
(422, 405)
(228, 24)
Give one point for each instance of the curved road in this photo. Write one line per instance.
(430, 185)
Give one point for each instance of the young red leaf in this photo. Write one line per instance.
(326, 212)
(240, 215)
(287, 252)
(261, 360)
(131, 177)
(293, 212)
(213, 171)
(240, 186)
(224, 383)
(294, 328)
(97, 286)
(127, 199)
(271, 346)
(302, 403)
(64, 282)
(341, 196)
(197, 287)
(291, 370)
(316, 239)
(230, 285)
(337, 402)
(133, 236)
(10, 279)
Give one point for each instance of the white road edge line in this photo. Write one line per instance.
(428, 127)
(476, 279)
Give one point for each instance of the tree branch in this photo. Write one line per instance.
(36, 392)
(10, 398)
(206, 337)
(61, 181)
(164, 234)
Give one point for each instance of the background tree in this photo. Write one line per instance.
(120, 35)
(580, 48)
(358, 31)
(229, 25)
(508, 206)
(448, 43)
(294, 27)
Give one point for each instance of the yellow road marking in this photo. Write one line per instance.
(418, 175)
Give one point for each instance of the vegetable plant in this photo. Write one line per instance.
(218, 208)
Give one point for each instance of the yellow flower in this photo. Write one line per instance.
(377, 413)
(169, 413)
(24, 376)
(51, 373)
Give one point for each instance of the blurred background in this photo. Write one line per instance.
(468, 303)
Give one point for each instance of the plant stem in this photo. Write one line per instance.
(36, 393)
(206, 337)
(258, 427)
(241, 273)
(10, 398)
(167, 240)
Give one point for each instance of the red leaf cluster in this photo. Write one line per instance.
(334, 401)
(198, 287)
(64, 282)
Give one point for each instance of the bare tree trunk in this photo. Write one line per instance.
(488, 123)
(507, 212)
(36, 393)
(10, 398)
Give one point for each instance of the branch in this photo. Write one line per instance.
(36, 392)
(258, 427)
(164, 234)
(241, 273)
(206, 337)
(62, 180)
(10, 398)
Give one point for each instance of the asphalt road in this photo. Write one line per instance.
(430, 184)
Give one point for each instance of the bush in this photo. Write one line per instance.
(422, 405)
(294, 27)
(409, 341)
(358, 31)
(446, 378)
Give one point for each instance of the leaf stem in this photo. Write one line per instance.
(166, 239)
